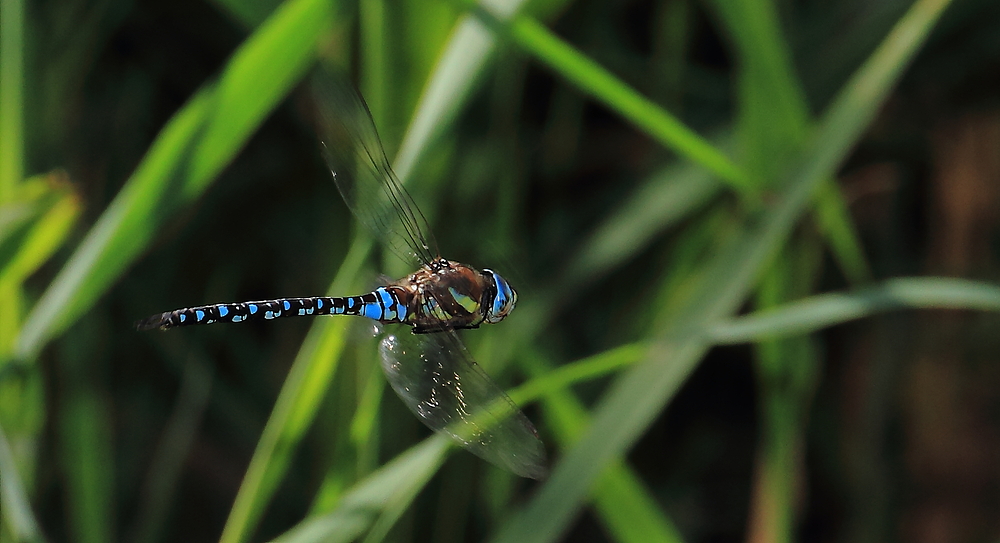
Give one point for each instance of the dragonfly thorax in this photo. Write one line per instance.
(448, 295)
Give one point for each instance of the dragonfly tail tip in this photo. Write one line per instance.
(150, 323)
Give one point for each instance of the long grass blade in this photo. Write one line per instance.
(596, 81)
(11, 97)
(825, 310)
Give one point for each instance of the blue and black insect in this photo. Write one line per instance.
(441, 296)
(430, 370)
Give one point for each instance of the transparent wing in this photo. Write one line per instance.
(437, 379)
(354, 153)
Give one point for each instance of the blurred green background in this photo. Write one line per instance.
(755, 245)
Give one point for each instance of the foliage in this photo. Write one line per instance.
(228, 200)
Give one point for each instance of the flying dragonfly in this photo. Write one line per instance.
(430, 369)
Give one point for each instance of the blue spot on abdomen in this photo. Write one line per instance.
(372, 311)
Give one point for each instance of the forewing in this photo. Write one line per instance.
(354, 153)
(440, 382)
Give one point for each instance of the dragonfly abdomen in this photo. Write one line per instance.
(383, 304)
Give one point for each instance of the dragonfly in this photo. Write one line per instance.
(427, 365)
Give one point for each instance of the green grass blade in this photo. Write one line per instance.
(15, 508)
(818, 312)
(623, 504)
(14, 216)
(453, 76)
(773, 114)
(446, 90)
(462, 60)
(12, 51)
(552, 380)
(136, 201)
(772, 122)
(394, 486)
(629, 509)
(834, 221)
(300, 396)
(294, 410)
(774, 119)
(633, 401)
(187, 155)
(786, 373)
(624, 487)
(380, 494)
(855, 106)
(596, 81)
(619, 499)
(87, 458)
(11, 97)
(47, 234)
(249, 14)
(662, 201)
(160, 488)
(374, 78)
(257, 78)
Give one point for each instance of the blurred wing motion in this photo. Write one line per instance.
(437, 379)
(354, 153)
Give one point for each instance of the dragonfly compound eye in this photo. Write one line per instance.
(503, 301)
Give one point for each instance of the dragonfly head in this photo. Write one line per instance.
(500, 297)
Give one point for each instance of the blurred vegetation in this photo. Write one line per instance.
(740, 231)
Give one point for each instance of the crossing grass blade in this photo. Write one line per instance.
(626, 507)
(378, 496)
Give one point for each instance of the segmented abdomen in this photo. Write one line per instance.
(382, 305)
